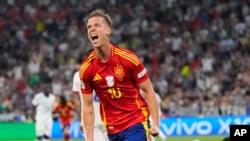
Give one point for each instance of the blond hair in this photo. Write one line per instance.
(101, 13)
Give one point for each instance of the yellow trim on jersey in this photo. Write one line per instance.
(85, 64)
(104, 115)
(127, 56)
(137, 103)
(83, 68)
(145, 125)
(145, 112)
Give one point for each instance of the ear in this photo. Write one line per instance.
(108, 31)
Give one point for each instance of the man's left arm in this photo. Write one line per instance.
(153, 106)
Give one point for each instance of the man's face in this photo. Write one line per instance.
(98, 31)
(47, 88)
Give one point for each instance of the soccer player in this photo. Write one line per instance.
(116, 75)
(44, 103)
(100, 132)
(65, 110)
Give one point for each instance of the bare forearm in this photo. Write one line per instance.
(153, 108)
(150, 98)
(88, 119)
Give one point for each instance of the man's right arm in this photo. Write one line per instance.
(88, 115)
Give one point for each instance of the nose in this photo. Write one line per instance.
(91, 29)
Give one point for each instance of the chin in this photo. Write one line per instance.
(96, 45)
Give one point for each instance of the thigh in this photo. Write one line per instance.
(48, 127)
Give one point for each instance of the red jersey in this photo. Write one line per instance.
(65, 113)
(115, 83)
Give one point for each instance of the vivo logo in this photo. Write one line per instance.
(182, 128)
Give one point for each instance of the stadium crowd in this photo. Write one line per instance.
(196, 51)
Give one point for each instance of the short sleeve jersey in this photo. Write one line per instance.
(65, 113)
(116, 84)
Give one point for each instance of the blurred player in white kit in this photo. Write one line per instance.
(44, 102)
(100, 132)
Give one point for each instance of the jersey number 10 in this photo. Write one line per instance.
(115, 92)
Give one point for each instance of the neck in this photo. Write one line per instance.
(103, 53)
(46, 94)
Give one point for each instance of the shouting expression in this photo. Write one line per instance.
(98, 31)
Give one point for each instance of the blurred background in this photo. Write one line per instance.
(196, 52)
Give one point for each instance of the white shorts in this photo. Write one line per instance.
(100, 133)
(44, 127)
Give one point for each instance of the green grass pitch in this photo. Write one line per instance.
(189, 138)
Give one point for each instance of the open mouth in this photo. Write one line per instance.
(94, 37)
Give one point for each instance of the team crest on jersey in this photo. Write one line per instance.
(119, 71)
(82, 85)
(110, 80)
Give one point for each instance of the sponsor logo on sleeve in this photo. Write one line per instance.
(142, 73)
